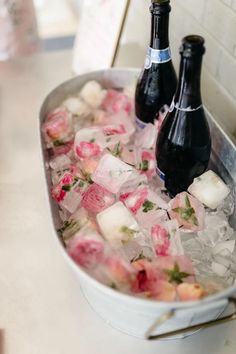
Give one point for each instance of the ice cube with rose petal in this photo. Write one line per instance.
(166, 239)
(97, 198)
(209, 189)
(89, 142)
(87, 247)
(120, 126)
(217, 230)
(146, 162)
(93, 93)
(117, 224)
(57, 127)
(188, 211)
(115, 101)
(111, 173)
(146, 138)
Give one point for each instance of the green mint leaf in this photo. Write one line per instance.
(58, 142)
(92, 140)
(148, 205)
(187, 202)
(144, 165)
(175, 275)
(66, 188)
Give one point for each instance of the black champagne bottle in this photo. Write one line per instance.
(184, 143)
(157, 83)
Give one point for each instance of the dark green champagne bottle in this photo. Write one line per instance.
(157, 83)
(184, 143)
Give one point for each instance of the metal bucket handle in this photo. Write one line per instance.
(170, 314)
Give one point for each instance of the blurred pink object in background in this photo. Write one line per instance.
(18, 28)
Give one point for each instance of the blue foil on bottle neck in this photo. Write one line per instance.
(157, 56)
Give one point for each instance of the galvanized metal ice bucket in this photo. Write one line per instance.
(140, 317)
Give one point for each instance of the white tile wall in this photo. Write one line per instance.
(216, 22)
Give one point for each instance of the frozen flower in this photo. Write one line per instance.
(134, 200)
(57, 127)
(97, 198)
(188, 211)
(87, 150)
(161, 240)
(115, 101)
(86, 248)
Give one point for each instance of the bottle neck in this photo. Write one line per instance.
(160, 31)
(188, 94)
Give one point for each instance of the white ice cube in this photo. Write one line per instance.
(146, 137)
(111, 173)
(209, 189)
(93, 94)
(221, 247)
(76, 106)
(117, 224)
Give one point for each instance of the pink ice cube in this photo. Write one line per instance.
(119, 125)
(58, 126)
(97, 198)
(135, 199)
(150, 282)
(87, 248)
(146, 162)
(166, 239)
(146, 138)
(115, 101)
(176, 269)
(89, 142)
(188, 211)
(111, 173)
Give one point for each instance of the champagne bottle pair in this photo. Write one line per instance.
(184, 143)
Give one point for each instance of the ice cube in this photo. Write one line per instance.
(97, 198)
(74, 224)
(209, 189)
(87, 248)
(146, 162)
(146, 138)
(76, 106)
(57, 128)
(115, 101)
(217, 230)
(223, 246)
(89, 142)
(117, 224)
(111, 173)
(188, 211)
(93, 94)
(60, 162)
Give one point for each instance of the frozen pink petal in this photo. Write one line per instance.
(161, 241)
(115, 101)
(97, 198)
(113, 129)
(87, 150)
(147, 277)
(188, 211)
(58, 191)
(164, 291)
(57, 126)
(119, 269)
(146, 162)
(134, 200)
(86, 248)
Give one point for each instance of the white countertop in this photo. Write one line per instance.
(42, 309)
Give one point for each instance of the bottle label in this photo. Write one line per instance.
(157, 56)
(140, 124)
(187, 109)
(160, 174)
